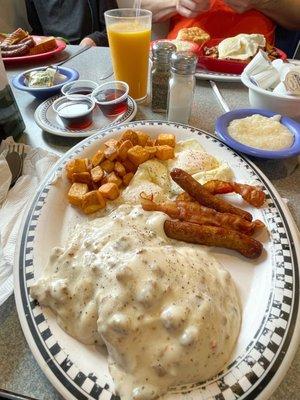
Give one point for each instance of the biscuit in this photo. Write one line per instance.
(193, 34)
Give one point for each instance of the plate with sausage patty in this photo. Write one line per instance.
(184, 308)
(27, 48)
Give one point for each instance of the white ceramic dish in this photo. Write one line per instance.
(49, 121)
(268, 287)
(286, 105)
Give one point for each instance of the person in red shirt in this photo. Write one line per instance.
(277, 20)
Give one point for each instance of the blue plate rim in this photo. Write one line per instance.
(73, 76)
(223, 121)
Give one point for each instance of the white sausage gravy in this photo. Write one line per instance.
(167, 312)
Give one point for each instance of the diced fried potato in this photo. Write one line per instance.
(107, 166)
(76, 193)
(164, 152)
(138, 155)
(98, 158)
(70, 169)
(97, 174)
(120, 169)
(82, 177)
(109, 191)
(130, 135)
(127, 178)
(111, 143)
(123, 149)
(151, 150)
(165, 139)
(113, 178)
(129, 166)
(142, 137)
(92, 202)
(111, 153)
(80, 165)
(150, 142)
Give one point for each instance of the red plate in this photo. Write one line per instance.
(226, 66)
(61, 45)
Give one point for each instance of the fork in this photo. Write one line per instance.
(15, 159)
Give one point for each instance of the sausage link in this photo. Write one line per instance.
(213, 236)
(203, 196)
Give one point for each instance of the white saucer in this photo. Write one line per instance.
(50, 122)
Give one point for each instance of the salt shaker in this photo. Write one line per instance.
(160, 74)
(181, 86)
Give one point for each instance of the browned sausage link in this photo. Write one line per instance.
(29, 41)
(196, 190)
(11, 47)
(213, 236)
(21, 51)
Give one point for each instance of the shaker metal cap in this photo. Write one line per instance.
(183, 62)
(163, 50)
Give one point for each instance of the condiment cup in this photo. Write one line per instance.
(258, 64)
(76, 112)
(82, 87)
(266, 79)
(111, 97)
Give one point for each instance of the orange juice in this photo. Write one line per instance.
(129, 44)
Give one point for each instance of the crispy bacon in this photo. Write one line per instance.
(251, 194)
(196, 213)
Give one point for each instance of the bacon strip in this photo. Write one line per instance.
(194, 212)
(213, 236)
(251, 194)
(203, 196)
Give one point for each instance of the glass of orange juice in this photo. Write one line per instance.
(129, 35)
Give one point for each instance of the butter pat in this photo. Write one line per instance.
(241, 47)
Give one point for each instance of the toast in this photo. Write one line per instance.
(44, 46)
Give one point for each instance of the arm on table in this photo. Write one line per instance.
(285, 12)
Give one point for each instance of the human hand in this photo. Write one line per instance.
(241, 6)
(191, 8)
(87, 42)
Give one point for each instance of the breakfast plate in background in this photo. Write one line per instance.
(60, 46)
(47, 119)
(268, 286)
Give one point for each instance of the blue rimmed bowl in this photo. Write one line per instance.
(223, 122)
(45, 92)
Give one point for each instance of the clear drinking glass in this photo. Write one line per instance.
(129, 35)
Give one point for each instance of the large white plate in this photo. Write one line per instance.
(50, 122)
(269, 288)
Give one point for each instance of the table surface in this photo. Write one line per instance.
(19, 372)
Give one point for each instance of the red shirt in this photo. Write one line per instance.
(221, 21)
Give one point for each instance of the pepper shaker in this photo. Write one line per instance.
(160, 74)
(181, 86)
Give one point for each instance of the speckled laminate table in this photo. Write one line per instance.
(19, 371)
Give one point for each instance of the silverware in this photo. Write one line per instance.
(106, 74)
(81, 50)
(15, 158)
(6, 394)
(219, 97)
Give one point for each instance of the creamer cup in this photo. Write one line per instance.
(292, 82)
(280, 89)
(259, 64)
(266, 79)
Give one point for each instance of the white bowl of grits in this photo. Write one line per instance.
(287, 105)
(260, 133)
